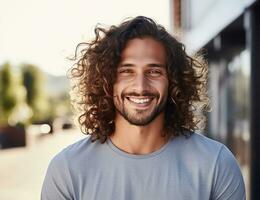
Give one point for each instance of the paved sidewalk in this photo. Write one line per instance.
(22, 170)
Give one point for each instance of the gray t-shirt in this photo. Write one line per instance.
(196, 168)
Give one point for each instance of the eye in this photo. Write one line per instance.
(125, 72)
(154, 72)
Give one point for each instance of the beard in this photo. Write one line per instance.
(140, 117)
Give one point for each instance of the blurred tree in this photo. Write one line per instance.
(36, 98)
(13, 108)
(8, 95)
(14, 112)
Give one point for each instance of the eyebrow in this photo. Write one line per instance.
(149, 65)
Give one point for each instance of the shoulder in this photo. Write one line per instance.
(202, 140)
(214, 161)
(209, 147)
(203, 152)
(61, 157)
(223, 168)
(58, 182)
(69, 159)
(195, 143)
(75, 151)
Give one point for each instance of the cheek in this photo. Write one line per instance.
(119, 86)
(162, 87)
(117, 91)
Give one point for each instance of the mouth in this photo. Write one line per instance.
(140, 102)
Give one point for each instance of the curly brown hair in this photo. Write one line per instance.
(94, 74)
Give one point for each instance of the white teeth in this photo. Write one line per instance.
(139, 100)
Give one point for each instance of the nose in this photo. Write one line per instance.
(140, 83)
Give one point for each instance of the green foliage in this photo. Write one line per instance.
(13, 109)
(36, 97)
(8, 95)
(32, 82)
(23, 98)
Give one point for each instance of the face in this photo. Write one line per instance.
(141, 87)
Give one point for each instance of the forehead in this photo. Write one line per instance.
(146, 49)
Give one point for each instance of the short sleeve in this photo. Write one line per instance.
(228, 182)
(57, 182)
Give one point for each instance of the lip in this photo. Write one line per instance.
(142, 106)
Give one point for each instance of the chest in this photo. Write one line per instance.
(142, 180)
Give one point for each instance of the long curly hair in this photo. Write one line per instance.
(94, 74)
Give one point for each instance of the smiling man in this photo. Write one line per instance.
(140, 98)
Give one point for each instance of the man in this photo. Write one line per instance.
(141, 97)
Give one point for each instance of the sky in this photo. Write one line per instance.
(46, 32)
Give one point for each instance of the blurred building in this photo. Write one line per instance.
(229, 31)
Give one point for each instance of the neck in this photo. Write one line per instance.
(139, 139)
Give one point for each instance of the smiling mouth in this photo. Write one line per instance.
(140, 101)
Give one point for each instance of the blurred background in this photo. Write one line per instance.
(37, 37)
